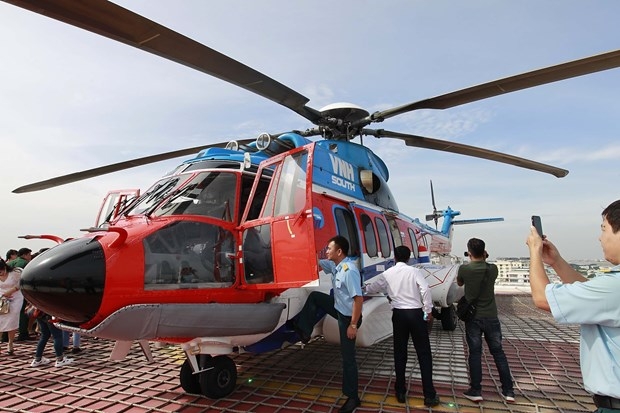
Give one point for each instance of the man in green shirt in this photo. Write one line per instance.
(478, 277)
(24, 255)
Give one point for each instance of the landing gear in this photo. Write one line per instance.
(220, 378)
(217, 378)
(448, 318)
(189, 380)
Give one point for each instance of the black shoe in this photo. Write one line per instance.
(473, 395)
(431, 401)
(76, 350)
(350, 405)
(509, 396)
(401, 397)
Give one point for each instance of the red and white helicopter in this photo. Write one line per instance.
(219, 254)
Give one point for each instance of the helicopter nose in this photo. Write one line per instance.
(67, 280)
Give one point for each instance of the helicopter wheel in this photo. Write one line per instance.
(189, 381)
(448, 318)
(220, 380)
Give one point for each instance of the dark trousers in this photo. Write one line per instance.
(410, 323)
(48, 329)
(23, 323)
(316, 305)
(492, 331)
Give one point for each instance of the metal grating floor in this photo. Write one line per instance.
(544, 359)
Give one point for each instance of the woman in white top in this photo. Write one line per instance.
(9, 288)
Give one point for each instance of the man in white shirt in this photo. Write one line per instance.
(410, 298)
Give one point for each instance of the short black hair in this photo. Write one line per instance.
(476, 247)
(24, 251)
(402, 253)
(342, 243)
(11, 252)
(612, 215)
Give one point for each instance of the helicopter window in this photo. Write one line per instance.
(369, 236)
(189, 254)
(398, 240)
(290, 192)
(177, 170)
(384, 238)
(212, 164)
(258, 199)
(114, 204)
(414, 244)
(257, 259)
(382, 196)
(346, 227)
(211, 194)
(156, 193)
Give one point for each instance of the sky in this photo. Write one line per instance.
(71, 100)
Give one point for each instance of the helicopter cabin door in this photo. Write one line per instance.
(277, 229)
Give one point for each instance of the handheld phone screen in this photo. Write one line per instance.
(537, 223)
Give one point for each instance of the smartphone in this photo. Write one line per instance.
(537, 223)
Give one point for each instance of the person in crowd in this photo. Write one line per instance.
(11, 255)
(47, 329)
(9, 289)
(24, 255)
(410, 298)
(592, 303)
(346, 306)
(75, 342)
(478, 277)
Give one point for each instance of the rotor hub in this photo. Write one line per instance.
(346, 112)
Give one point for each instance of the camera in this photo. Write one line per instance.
(485, 255)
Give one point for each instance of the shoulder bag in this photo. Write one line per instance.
(4, 305)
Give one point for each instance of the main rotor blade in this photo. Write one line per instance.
(510, 84)
(445, 146)
(115, 22)
(102, 170)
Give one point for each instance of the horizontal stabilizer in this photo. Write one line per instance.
(476, 221)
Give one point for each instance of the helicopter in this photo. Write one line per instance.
(220, 253)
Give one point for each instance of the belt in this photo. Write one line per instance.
(606, 402)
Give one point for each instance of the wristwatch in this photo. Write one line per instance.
(354, 326)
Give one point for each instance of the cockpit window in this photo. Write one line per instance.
(189, 254)
(211, 194)
(156, 194)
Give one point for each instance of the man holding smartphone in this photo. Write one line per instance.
(479, 277)
(592, 303)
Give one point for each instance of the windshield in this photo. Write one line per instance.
(157, 193)
(211, 194)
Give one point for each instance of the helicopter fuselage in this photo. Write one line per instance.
(219, 235)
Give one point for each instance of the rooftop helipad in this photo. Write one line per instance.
(543, 356)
